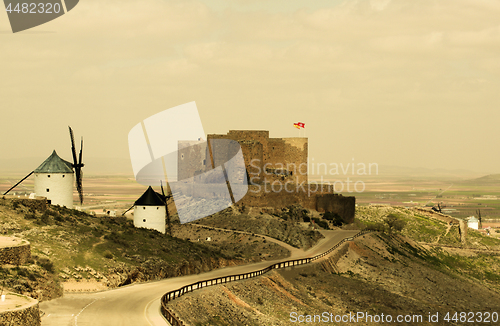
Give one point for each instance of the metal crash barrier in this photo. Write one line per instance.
(169, 296)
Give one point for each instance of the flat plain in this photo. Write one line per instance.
(458, 196)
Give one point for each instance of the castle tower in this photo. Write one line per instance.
(54, 180)
(149, 211)
(271, 160)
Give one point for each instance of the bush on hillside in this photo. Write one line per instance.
(394, 223)
(334, 218)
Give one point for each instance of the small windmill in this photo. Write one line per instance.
(147, 210)
(54, 178)
(438, 209)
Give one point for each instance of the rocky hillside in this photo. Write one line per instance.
(69, 246)
(425, 227)
(379, 274)
(284, 225)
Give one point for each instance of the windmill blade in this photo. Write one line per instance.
(73, 149)
(17, 184)
(79, 186)
(161, 185)
(80, 156)
(77, 165)
(128, 210)
(167, 214)
(164, 197)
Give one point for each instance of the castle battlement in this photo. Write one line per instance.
(271, 159)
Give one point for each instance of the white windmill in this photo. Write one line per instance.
(54, 178)
(150, 211)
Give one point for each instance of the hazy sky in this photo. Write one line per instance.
(401, 82)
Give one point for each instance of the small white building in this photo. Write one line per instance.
(54, 180)
(473, 223)
(150, 211)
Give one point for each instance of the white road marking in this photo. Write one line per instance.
(146, 310)
(76, 318)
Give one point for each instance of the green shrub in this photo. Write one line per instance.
(46, 264)
(57, 216)
(377, 226)
(44, 219)
(334, 217)
(30, 216)
(394, 223)
(321, 224)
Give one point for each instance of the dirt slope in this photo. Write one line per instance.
(379, 274)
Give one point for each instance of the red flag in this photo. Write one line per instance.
(299, 125)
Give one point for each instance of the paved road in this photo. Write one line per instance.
(139, 304)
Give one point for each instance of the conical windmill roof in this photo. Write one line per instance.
(54, 164)
(149, 198)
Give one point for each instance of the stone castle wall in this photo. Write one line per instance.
(271, 159)
(259, 196)
(191, 158)
(253, 153)
(16, 255)
(37, 204)
(25, 316)
(344, 206)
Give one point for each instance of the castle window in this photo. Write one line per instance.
(144, 220)
(47, 189)
(182, 156)
(204, 162)
(48, 176)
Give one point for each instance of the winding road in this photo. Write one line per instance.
(139, 304)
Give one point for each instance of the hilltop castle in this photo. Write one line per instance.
(276, 170)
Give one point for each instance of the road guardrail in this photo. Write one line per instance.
(169, 296)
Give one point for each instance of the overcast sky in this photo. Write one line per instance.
(401, 82)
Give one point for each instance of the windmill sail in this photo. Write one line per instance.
(165, 199)
(77, 165)
(17, 184)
